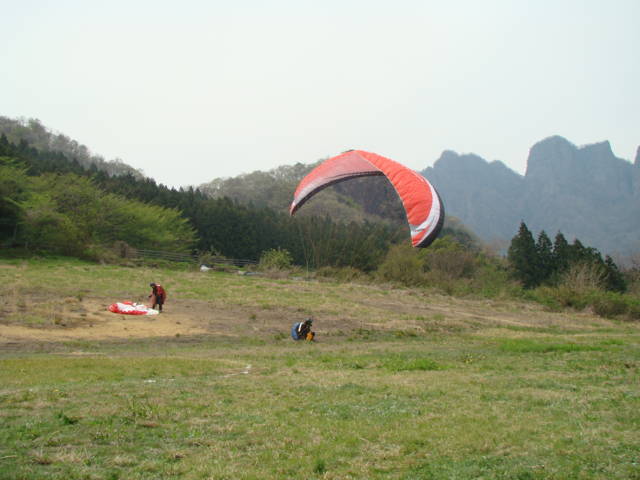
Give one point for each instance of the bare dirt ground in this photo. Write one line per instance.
(33, 320)
(89, 319)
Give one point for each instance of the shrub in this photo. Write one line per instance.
(101, 254)
(123, 249)
(609, 305)
(568, 297)
(583, 277)
(603, 303)
(275, 259)
(341, 274)
(450, 259)
(545, 296)
(492, 280)
(634, 310)
(402, 264)
(210, 258)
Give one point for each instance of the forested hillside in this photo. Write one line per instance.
(33, 134)
(371, 199)
(358, 201)
(44, 204)
(47, 198)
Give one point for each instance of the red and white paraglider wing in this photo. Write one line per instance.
(131, 308)
(421, 202)
(337, 169)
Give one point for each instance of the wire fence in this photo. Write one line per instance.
(191, 258)
(160, 255)
(126, 251)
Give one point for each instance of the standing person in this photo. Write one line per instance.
(158, 296)
(302, 330)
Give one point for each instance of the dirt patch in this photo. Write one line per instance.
(88, 319)
(37, 319)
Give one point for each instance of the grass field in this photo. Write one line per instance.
(402, 384)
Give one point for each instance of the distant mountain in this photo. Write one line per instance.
(584, 192)
(34, 134)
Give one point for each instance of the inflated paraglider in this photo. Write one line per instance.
(421, 202)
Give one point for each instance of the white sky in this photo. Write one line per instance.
(193, 90)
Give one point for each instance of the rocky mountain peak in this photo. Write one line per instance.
(601, 148)
(550, 157)
(585, 192)
(454, 159)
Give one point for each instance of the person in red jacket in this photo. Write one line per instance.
(158, 296)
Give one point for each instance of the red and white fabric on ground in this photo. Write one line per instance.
(131, 308)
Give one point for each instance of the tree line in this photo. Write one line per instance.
(69, 214)
(540, 261)
(46, 197)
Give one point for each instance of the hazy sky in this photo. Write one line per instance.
(193, 90)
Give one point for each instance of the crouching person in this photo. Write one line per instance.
(302, 330)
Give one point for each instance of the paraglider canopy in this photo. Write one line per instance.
(422, 204)
(131, 308)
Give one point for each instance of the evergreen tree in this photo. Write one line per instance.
(561, 254)
(523, 257)
(544, 248)
(614, 280)
(4, 145)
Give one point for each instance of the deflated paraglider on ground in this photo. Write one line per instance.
(131, 308)
(422, 204)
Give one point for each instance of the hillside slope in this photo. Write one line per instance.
(31, 132)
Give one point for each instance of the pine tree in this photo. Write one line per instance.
(5, 149)
(561, 254)
(523, 257)
(614, 279)
(544, 248)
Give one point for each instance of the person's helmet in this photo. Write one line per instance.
(152, 284)
(309, 320)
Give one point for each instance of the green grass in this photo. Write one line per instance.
(534, 402)
(321, 411)
(526, 345)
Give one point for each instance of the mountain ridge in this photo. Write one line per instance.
(585, 192)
